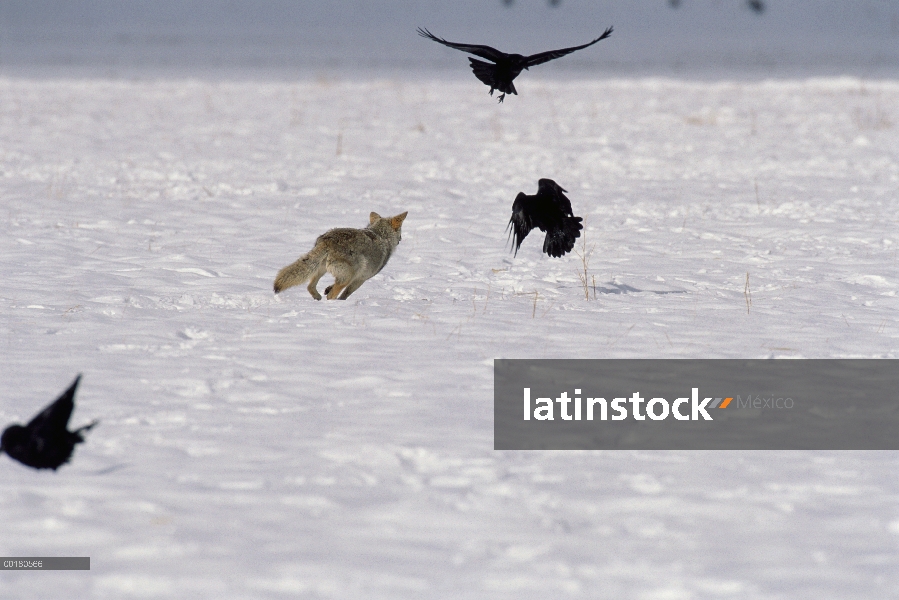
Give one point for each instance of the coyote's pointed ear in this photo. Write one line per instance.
(397, 221)
(373, 217)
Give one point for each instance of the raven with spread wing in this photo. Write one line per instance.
(548, 210)
(46, 442)
(505, 67)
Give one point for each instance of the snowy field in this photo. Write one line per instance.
(262, 446)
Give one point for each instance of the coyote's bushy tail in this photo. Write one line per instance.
(300, 271)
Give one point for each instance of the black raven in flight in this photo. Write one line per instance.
(548, 210)
(505, 67)
(46, 442)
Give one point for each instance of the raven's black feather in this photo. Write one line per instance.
(549, 210)
(505, 67)
(46, 442)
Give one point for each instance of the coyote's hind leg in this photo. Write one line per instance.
(314, 282)
(343, 276)
(352, 287)
(335, 289)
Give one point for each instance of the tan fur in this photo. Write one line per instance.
(352, 256)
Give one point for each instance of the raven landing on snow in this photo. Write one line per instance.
(46, 442)
(548, 210)
(505, 67)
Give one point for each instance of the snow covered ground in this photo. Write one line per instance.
(159, 162)
(262, 446)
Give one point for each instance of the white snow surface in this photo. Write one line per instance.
(261, 446)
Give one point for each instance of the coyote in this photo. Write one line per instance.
(352, 256)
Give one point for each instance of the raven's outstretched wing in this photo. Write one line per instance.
(486, 73)
(482, 51)
(539, 59)
(559, 240)
(55, 418)
(521, 221)
(554, 191)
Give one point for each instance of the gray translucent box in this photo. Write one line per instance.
(838, 404)
(45, 563)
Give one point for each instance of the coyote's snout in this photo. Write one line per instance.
(351, 255)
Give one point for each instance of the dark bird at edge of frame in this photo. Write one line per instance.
(505, 67)
(551, 2)
(549, 210)
(46, 442)
(756, 5)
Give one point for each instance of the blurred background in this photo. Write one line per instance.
(284, 37)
